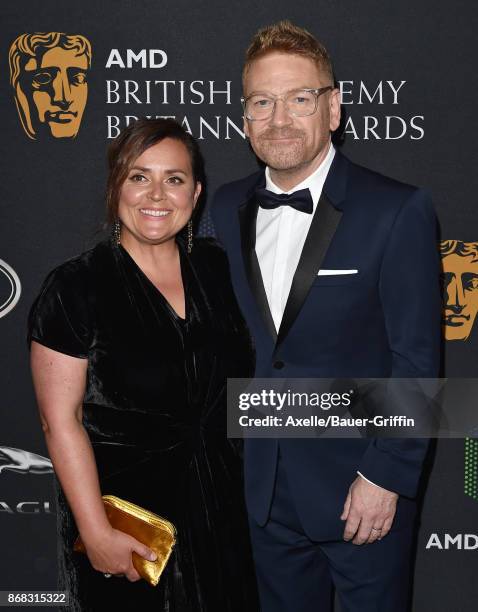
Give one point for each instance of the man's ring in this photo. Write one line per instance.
(107, 575)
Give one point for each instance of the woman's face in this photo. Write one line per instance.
(159, 194)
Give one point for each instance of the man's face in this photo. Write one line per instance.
(284, 142)
(460, 275)
(55, 91)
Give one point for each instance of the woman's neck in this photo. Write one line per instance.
(151, 256)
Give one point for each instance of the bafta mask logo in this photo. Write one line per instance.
(48, 73)
(460, 287)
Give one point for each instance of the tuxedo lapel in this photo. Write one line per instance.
(324, 224)
(247, 222)
(326, 219)
(319, 237)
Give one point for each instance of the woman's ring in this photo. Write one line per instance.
(377, 528)
(107, 575)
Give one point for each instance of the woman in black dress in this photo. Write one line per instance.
(131, 346)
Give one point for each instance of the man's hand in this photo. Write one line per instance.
(369, 511)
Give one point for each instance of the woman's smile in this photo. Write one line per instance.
(155, 212)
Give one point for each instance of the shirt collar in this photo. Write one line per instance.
(314, 182)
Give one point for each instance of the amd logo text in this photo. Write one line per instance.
(26, 507)
(460, 541)
(148, 58)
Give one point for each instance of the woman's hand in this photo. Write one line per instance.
(111, 552)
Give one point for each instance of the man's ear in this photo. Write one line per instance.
(334, 109)
(245, 123)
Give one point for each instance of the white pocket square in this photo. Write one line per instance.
(324, 272)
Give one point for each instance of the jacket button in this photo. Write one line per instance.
(278, 365)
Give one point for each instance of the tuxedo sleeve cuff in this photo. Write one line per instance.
(395, 465)
(362, 476)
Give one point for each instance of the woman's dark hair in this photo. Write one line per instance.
(132, 142)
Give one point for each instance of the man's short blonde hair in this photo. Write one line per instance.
(285, 37)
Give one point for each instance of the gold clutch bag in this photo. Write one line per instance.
(148, 528)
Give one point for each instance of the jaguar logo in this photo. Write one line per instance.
(10, 288)
(23, 462)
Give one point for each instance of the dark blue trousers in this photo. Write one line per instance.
(296, 574)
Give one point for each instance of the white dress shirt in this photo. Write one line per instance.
(280, 238)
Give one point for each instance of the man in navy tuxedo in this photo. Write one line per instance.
(336, 270)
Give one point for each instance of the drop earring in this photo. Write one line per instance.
(190, 236)
(117, 231)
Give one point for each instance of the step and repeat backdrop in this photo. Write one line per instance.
(408, 87)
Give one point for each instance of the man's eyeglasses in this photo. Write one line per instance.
(297, 102)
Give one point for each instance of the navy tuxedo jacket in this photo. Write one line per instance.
(383, 321)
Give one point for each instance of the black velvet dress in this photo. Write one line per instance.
(155, 411)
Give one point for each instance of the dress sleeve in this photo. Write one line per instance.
(58, 318)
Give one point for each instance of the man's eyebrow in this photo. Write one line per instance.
(268, 93)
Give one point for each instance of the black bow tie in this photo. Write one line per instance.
(300, 200)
